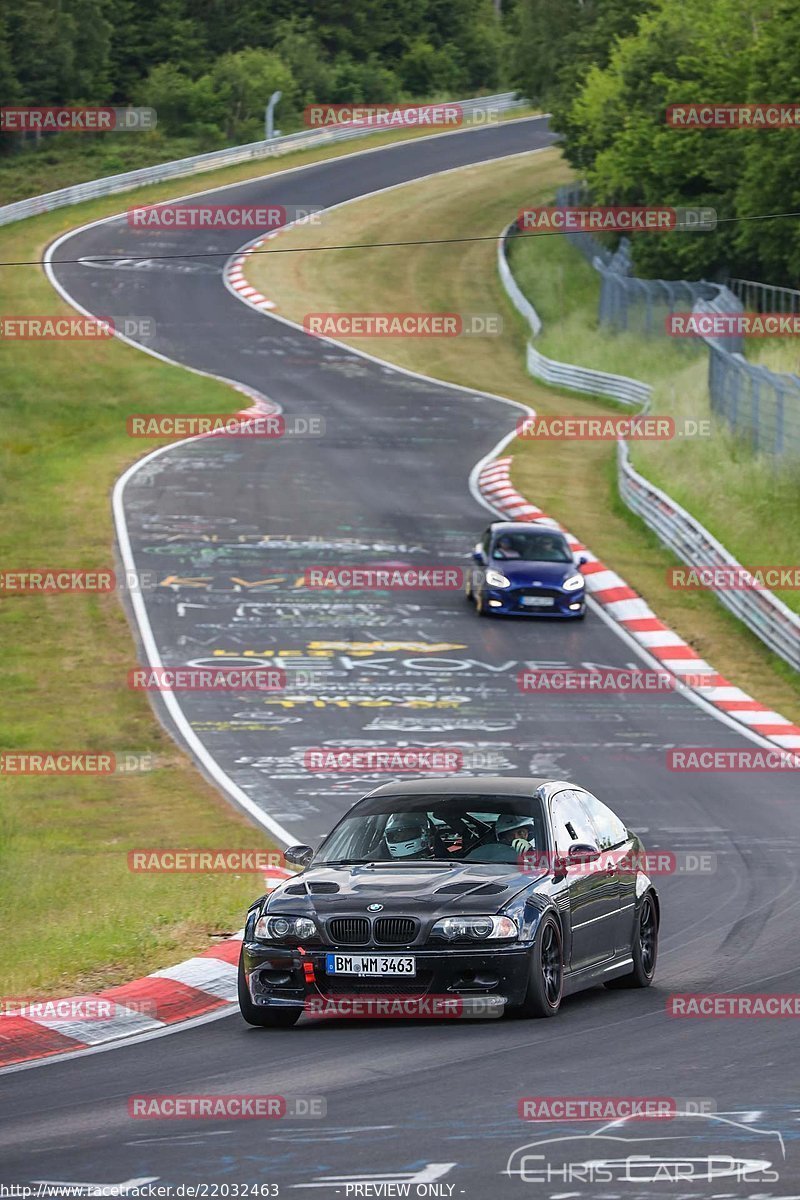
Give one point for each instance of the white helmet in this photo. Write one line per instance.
(508, 821)
(407, 834)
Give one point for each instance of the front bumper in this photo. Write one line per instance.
(284, 978)
(510, 602)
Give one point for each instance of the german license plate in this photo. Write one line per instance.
(538, 601)
(369, 964)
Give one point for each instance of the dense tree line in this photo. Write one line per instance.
(609, 69)
(208, 66)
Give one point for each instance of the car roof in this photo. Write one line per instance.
(523, 527)
(455, 785)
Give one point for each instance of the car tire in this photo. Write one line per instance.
(264, 1018)
(480, 604)
(546, 980)
(468, 592)
(644, 948)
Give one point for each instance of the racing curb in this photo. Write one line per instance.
(235, 277)
(191, 988)
(633, 613)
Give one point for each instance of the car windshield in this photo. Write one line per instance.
(405, 829)
(531, 546)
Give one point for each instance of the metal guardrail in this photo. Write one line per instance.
(765, 297)
(561, 374)
(762, 403)
(761, 611)
(230, 156)
(584, 380)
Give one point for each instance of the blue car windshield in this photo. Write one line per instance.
(531, 547)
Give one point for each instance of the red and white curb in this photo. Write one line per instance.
(233, 275)
(634, 614)
(192, 988)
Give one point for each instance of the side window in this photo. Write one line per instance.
(610, 830)
(571, 822)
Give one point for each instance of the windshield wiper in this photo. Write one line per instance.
(342, 862)
(386, 862)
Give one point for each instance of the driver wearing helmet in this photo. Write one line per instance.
(549, 548)
(408, 835)
(517, 831)
(505, 547)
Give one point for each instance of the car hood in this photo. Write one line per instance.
(443, 888)
(523, 571)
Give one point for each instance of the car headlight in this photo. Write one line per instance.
(478, 929)
(495, 579)
(271, 928)
(573, 583)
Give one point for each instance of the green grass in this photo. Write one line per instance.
(64, 841)
(575, 482)
(776, 354)
(750, 503)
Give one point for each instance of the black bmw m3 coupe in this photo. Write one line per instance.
(479, 895)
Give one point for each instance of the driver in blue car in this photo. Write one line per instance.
(505, 548)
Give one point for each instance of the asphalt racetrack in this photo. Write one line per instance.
(431, 1105)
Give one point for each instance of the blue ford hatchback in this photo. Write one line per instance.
(522, 569)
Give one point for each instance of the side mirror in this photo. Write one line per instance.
(301, 856)
(582, 561)
(477, 553)
(583, 852)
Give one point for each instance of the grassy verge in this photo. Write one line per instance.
(64, 841)
(573, 481)
(776, 354)
(735, 493)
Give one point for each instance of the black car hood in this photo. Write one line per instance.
(413, 890)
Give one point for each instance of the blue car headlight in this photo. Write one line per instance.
(496, 580)
(572, 583)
